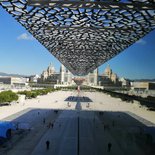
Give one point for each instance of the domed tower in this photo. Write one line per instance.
(108, 72)
(50, 69)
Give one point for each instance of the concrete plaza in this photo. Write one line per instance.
(80, 128)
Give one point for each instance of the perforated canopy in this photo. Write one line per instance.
(82, 35)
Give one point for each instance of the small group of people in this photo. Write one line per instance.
(50, 125)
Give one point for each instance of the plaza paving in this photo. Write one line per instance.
(79, 129)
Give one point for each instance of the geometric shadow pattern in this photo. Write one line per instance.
(82, 35)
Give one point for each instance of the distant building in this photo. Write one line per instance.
(92, 78)
(108, 72)
(14, 81)
(143, 86)
(65, 77)
(54, 78)
(114, 78)
(50, 75)
(48, 72)
(34, 78)
(125, 82)
(108, 78)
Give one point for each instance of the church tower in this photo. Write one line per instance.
(62, 73)
(96, 77)
(50, 69)
(108, 72)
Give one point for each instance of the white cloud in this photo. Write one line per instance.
(141, 41)
(25, 36)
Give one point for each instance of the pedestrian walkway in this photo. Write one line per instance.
(25, 145)
(77, 129)
(142, 120)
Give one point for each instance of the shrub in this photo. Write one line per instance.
(8, 96)
(35, 93)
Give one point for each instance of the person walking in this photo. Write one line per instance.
(43, 120)
(109, 146)
(47, 145)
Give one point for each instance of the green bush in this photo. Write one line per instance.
(35, 93)
(8, 96)
(28, 94)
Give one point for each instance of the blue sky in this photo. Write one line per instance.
(21, 54)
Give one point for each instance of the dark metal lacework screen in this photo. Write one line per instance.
(84, 34)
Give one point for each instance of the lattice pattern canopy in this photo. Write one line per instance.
(82, 35)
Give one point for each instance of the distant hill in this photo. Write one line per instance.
(144, 80)
(7, 74)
